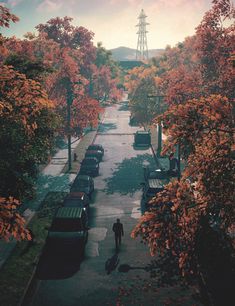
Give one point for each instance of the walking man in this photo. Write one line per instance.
(118, 231)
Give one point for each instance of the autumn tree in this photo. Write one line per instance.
(5, 18)
(11, 223)
(185, 216)
(105, 77)
(143, 107)
(73, 65)
(27, 125)
(142, 85)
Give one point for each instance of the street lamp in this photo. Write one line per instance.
(160, 109)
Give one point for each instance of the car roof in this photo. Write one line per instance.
(69, 212)
(90, 158)
(155, 183)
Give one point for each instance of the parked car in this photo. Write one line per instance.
(89, 166)
(142, 139)
(83, 183)
(94, 153)
(77, 199)
(69, 230)
(155, 173)
(96, 147)
(150, 188)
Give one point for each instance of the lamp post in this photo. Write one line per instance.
(159, 137)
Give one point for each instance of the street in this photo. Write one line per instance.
(117, 195)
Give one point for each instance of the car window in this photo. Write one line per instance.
(66, 225)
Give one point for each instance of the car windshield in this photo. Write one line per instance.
(82, 183)
(89, 162)
(66, 225)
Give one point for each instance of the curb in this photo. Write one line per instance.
(30, 284)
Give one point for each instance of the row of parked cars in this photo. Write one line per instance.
(69, 228)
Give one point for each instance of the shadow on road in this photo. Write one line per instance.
(105, 127)
(58, 265)
(129, 174)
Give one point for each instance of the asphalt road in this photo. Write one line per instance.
(117, 195)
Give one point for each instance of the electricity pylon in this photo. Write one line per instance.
(142, 47)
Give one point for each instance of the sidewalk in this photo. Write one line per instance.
(54, 177)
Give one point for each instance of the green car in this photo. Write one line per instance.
(69, 230)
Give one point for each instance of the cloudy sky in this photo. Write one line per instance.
(113, 21)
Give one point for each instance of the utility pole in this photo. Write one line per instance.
(179, 156)
(69, 103)
(142, 47)
(159, 136)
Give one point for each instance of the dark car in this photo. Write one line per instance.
(77, 199)
(155, 173)
(69, 230)
(90, 166)
(150, 188)
(94, 153)
(142, 139)
(83, 183)
(96, 147)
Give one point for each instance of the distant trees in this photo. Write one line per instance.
(196, 78)
(105, 76)
(141, 83)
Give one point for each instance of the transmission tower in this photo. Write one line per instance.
(142, 47)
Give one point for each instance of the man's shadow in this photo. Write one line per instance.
(112, 263)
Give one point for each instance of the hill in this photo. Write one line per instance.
(129, 54)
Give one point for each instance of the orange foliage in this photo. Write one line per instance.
(197, 78)
(11, 223)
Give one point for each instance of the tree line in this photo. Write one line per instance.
(39, 76)
(196, 78)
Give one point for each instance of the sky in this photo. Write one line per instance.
(113, 21)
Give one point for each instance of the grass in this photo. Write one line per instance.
(18, 269)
